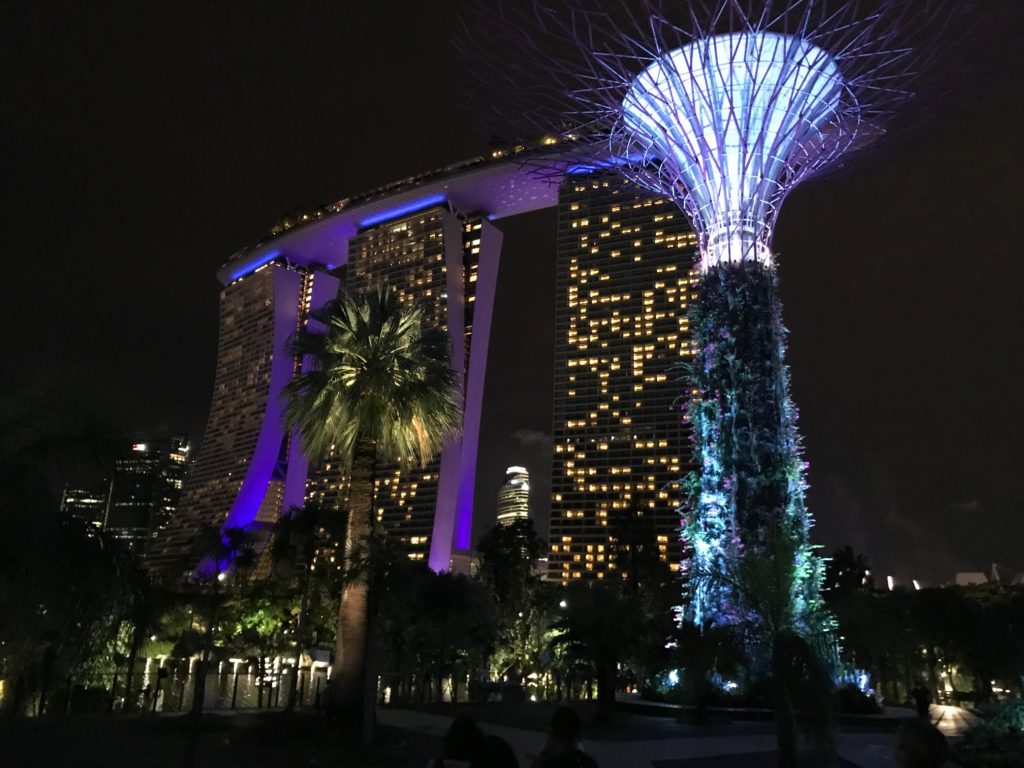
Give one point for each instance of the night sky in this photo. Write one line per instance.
(145, 144)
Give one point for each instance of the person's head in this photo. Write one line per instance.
(464, 739)
(565, 727)
(497, 754)
(920, 745)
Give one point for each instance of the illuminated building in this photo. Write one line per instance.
(86, 504)
(621, 333)
(431, 237)
(723, 107)
(514, 496)
(431, 258)
(421, 236)
(145, 490)
(247, 467)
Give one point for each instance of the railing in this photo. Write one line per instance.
(170, 687)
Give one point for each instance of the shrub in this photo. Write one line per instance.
(850, 700)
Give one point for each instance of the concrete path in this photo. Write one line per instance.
(863, 750)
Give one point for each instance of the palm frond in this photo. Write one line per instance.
(372, 371)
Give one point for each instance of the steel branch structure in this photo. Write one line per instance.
(723, 106)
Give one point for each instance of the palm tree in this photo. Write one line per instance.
(377, 386)
(598, 623)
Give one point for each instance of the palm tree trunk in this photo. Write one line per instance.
(606, 675)
(352, 646)
(785, 726)
(300, 645)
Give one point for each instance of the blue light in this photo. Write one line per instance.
(611, 162)
(255, 264)
(732, 122)
(394, 213)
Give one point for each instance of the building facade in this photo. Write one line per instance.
(431, 238)
(621, 444)
(431, 259)
(145, 490)
(248, 468)
(514, 496)
(87, 504)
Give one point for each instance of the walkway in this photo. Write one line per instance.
(688, 749)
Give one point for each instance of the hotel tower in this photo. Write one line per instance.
(621, 337)
(250, 468)
(433, 238)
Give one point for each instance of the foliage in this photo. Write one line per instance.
(789, 643)
(705, 653)
(846, 573)
(377, 374)
(955, 636)
(850, 700)
(523, 602)
(429, 626)
(750, 473)
(305, 555)
(65, 614)
(599, 626)
(997, 742)
(375, 384)
(66, 598)
(256, 621)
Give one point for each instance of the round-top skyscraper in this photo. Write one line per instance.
(725, 106)
(514, 496)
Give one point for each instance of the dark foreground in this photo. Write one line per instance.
(247, 740)
(409, 737)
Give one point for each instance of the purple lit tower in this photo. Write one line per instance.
(723, 106)
(431, 238)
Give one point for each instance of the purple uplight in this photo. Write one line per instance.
(486, 288)
(448, 480)
(287, 288)
(325, 288)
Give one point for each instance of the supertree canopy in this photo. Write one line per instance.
(728, 122)
(724, 106)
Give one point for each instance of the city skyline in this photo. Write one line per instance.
(915, 287)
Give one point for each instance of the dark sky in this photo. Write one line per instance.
(143, 144)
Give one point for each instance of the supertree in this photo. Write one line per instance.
(723, 106)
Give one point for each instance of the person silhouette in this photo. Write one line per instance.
(463, 744)
(922, 700)
(564, 746)
(920, 745)
(497, 753)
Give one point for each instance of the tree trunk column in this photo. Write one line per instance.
(750, 474)
(351, 649)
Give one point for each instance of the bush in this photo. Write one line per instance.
(651, 693)
(851, 701)
(996, 743)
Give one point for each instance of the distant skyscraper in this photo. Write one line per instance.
(514, 496)
(145, 490)
(621, 333)
(87, 504)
